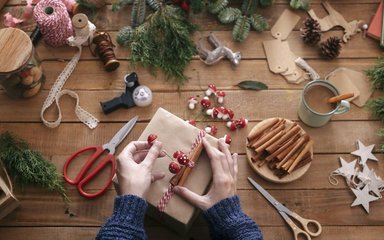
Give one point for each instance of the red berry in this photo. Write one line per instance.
(183, 159)
(174, 167)
(185, 6)
(227, 139)
(177, 154)
(151, 138)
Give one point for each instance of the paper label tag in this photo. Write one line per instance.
(285, 24)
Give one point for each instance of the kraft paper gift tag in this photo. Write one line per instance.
(352, 81)
(284, 25)
(176, 134)
(8, 202)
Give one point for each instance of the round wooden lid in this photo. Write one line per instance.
(80, 20)
(15, 49)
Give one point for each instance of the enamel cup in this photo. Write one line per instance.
(316, 119)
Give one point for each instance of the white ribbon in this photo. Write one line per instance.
(81, 37)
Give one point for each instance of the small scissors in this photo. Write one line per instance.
(284, 212)
(98, 151)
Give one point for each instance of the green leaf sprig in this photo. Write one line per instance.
(27, 166)
(252, 85)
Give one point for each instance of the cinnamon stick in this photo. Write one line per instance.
(182, 175)
(301, 155)
(284, 146)
(257, 131)
(291, 132)
(269, 142)
(268, 137)
(299, 144)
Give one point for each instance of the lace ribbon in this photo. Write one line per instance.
(82, 36)
(169, 193)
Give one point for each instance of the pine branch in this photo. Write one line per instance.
(266, 3)
(249, 7)
(154, 4)
(27, 166)
(197, 6)
(241, 29)
(215, 6)
(258, 22)
(376, 106)
(300, 4)
(118, 4)
(138, 13)
(164, 42)
(228, 15)
(376, 74)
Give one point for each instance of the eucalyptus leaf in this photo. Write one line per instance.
(252, 85)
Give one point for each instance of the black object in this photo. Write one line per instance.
(125, 100)
(36, 36)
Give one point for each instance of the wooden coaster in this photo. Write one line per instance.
(264, 170)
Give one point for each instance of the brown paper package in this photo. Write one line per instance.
(176, 134)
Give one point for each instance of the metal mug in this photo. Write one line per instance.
(313, 118)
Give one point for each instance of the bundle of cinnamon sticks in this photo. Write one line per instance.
(285, 147)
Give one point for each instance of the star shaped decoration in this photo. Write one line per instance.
(347, 169)
(364, 152)
(363, 198)
(375, 183)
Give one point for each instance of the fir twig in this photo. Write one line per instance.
(27, 166)
(381, 134)
(377, 107)
(376, 74)
(164, 42)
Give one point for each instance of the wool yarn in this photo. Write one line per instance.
(54, 22)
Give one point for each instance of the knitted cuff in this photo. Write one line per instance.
(130, 207)
(224, 210)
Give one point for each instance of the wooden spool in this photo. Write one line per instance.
(16, 49)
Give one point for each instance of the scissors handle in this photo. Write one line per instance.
(313, 232)
(80, 180)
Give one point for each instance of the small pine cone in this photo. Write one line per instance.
(331, 47)
(311, 33)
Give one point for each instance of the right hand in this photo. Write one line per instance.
(224, 171)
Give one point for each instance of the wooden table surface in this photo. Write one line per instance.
(41, 214)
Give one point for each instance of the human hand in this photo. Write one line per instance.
(224, 173)
(134, 167)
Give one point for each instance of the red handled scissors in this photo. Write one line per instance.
(82, 178)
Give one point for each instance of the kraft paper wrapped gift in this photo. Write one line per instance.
(176, 134)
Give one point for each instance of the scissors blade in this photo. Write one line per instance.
(120, 135)
(280, 207)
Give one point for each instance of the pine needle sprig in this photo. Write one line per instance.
(376, 74)
(376, 106)
(164, 42)
(381, 134)
(27, 166)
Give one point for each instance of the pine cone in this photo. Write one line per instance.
(331, 47)
(311, 32)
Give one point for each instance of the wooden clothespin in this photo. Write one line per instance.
(336, 19)
(220, 51)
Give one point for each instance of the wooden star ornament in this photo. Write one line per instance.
(347, 169)
(364, 152)
(363, 198)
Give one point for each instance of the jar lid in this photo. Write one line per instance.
(15, 49)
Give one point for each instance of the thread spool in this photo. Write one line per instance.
(54, 22)
(104, 49)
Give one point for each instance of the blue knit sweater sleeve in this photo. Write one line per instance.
(227, 221)
(127, 220)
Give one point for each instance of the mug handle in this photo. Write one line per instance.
(344, 107)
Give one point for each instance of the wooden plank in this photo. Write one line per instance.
(90, 75)
(252, 48)
(316, 177)
(67, 138)
(263, 105)
(331, 207)
(105, 19)
(201, 233)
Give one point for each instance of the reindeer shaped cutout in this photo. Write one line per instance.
(220, 51)
(336, 19)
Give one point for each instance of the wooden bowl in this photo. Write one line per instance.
(265, 172)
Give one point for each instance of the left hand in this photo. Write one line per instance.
(134, 167)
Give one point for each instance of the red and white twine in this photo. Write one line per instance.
(169, 193)
(53, 21)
